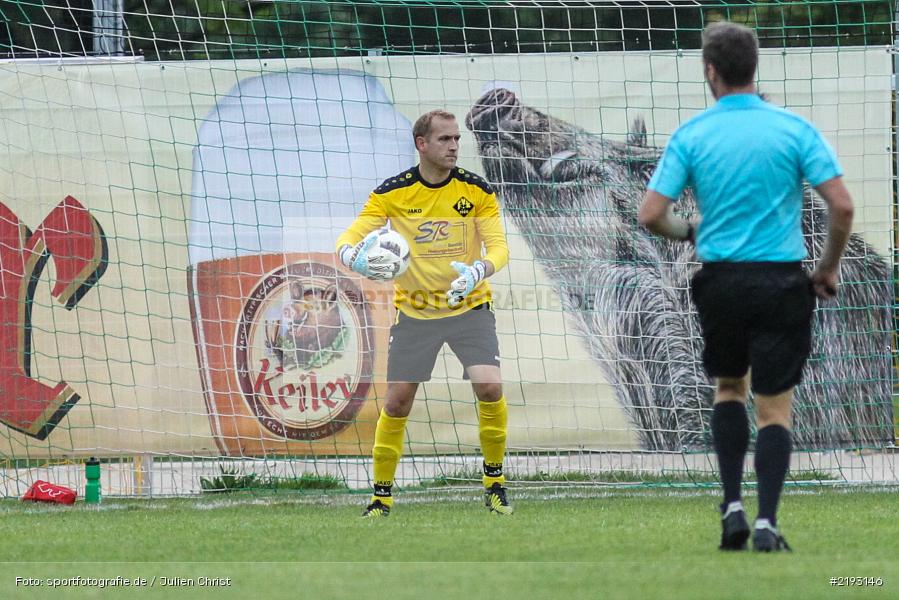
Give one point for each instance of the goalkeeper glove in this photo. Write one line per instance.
(356, 259)
(469, 276)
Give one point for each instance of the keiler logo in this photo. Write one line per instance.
(303, 351)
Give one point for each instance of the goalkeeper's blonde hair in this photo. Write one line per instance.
(422, 125)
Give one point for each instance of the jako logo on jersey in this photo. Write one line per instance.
(463, 206)
(414, 211)
(432, 231)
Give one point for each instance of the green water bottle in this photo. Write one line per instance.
(92, 472)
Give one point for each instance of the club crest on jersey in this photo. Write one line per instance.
(463, 206)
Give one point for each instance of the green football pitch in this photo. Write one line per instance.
(565, 543)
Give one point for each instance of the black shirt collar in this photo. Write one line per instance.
(428, 184)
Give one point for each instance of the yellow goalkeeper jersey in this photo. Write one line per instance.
(455, 220)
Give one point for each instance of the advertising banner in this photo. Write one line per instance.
(170, 285)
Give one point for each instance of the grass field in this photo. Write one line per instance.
(569, 543)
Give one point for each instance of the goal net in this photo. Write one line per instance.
(173, 177)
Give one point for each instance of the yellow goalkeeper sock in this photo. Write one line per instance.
(492, 419)
(386, 454)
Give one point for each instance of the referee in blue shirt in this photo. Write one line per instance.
(746, 161)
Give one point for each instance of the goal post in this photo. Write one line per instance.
(172, 185)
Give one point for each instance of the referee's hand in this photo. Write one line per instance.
(825, 283)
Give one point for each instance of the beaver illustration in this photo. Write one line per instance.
(575, 195)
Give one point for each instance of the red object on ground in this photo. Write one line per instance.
(44, 491)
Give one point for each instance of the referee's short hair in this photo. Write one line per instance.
(733, 50)
(422, 125)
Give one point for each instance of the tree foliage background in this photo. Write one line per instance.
(202, 29)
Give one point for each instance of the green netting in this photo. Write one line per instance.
(168, 170)
(209, 29)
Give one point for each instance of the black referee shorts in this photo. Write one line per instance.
(758, 315)
(414, 343)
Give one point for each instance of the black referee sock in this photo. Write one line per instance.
(730, 438)
(772, 461)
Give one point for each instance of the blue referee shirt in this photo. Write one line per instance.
(746, 159)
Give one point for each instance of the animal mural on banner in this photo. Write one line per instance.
(575, 195)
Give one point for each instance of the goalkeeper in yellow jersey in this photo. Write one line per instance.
(451, 220)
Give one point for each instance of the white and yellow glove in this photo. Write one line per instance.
(356, 258)
(469, 277)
